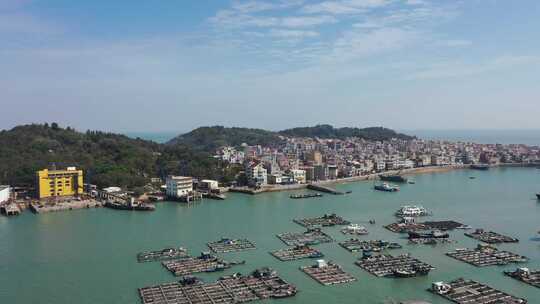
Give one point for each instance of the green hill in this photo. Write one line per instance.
(211, 138)
(328, 131)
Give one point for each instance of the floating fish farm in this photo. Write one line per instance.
(230, 245)
(386, 265)
(162, 255)
(356, 245)
(483, 256)
(413, 226)
(463, 291)
(262, 284)
(326, 220)
(204, 263)
(297, 253)
(525, 275)
(490, 237)
(312, 236)
(327, 273)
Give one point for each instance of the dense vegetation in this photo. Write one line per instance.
(211, 138)
(107, 159)
(327, 131)
(112, 159)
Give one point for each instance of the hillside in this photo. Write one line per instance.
(107, 159)
(211, 138)
(328, 131)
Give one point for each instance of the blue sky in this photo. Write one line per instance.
(177, 64)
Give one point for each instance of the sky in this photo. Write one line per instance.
(167, 65)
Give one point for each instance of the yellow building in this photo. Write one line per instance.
(53, 183)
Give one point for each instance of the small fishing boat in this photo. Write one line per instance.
(355, 229)
(386, 187)
(411, 211)
(464, 227)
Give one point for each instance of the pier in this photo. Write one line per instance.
(525, 275)
(64, 206)
(162, 255)
(297, 253)
(386, 265)
(312, 236)
(490, 237)
(325, 189)
(462, 291)
(10, 209)
(327, 273)
(485, 255)
(204, 263)
(356, 245)
(231, 245)
(262, 284)
(326, 220)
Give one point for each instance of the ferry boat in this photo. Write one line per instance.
(299, 196)
(386, 187)
(395, 178)
(408, 211)
(355, 229)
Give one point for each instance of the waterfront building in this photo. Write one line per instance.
(59, 183)
(256, 174)
(332, 171)
(5, 193)
(298, 176)
(321, 172)
(179, 186)
(208, 184)
(275, 179)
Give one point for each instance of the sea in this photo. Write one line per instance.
(89, 256)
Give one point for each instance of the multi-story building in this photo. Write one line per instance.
(5, 192)
(256, 174)
(179, 186)
(298, 176)
(58, 183)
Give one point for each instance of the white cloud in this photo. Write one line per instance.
(344, 6)
(281, 33)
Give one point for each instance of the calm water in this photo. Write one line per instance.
(88, 256)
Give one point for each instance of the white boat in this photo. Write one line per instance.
(411, 211)
(355, 229)
(464, 227)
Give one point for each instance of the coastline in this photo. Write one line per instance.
(369, 177)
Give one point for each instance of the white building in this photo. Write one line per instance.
(208, 184)
(179, 186)
(298, 176)
(5, 192)
(256, 174)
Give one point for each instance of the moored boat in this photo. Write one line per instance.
(395, 178)
(355, 229)
(429, 235)
(412, 211)
(130, 207)
(386, 187)
(480, 167)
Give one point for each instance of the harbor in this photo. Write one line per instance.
(312, 236)
(231, 245)
(386, 265)
(327, 273)
(260, 285)
(485, 255)
(463, 291)
(258, 219)
(409, 224)
(297, 253)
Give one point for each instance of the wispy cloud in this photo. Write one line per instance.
(344, 6)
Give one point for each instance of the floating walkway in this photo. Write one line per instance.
(386, 265)
(485, 255)
(326, 220)
(525, 275)
(297, 253)
(356, 245)
(231, 245)
(312, 236)
(490, 237)
(327, 273)
(204, 263)
(162, 255)
(463, 291)
(262, 284)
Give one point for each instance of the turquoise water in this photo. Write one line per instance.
(88, 256)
